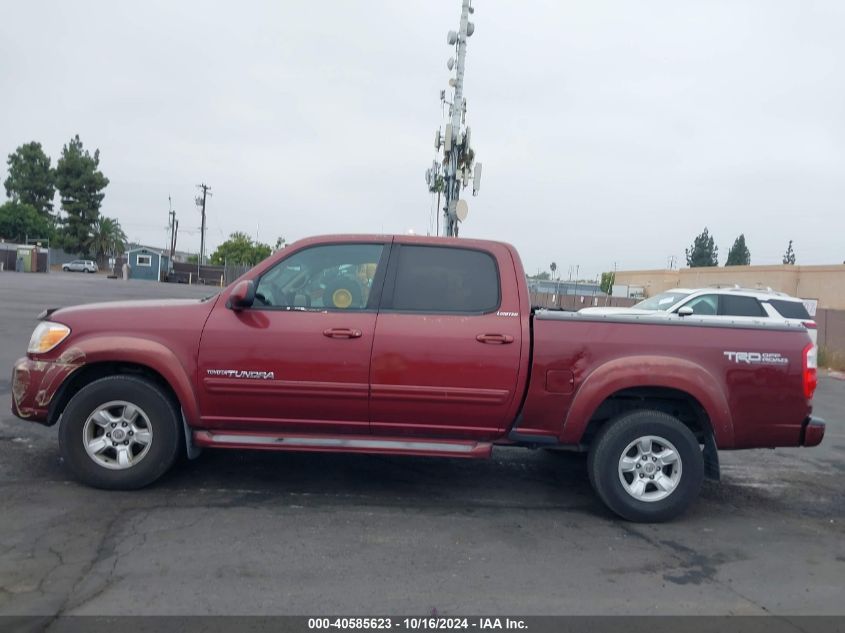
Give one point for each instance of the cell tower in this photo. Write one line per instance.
(454, 171)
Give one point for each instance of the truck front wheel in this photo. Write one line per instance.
(119, 432)
(646, 466)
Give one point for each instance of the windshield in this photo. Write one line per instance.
(662, 302)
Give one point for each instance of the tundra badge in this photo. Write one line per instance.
(238, 373)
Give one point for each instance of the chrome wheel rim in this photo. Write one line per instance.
(650, 468)
(117, 435)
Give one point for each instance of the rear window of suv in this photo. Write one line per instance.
(790, 309)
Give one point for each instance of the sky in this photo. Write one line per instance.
(611, 132)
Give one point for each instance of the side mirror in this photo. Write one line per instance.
(242, 295)
(685, 311)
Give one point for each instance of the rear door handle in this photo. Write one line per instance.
(342, 332)
(495, 339)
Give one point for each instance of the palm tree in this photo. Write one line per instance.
(108, 239)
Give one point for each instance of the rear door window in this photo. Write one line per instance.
(445, 279)
(732, 305)
(790, 309)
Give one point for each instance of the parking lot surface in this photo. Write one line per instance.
(284, 533)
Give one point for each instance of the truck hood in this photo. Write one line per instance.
(154, 316)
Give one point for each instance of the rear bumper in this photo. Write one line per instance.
(812, 431)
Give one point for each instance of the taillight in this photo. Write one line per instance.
(810, 325)
(809, 373)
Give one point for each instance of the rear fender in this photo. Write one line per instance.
(649, 371)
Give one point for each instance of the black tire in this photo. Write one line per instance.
(606, 451)
(164, 420)
(65, 269)
(347, 284)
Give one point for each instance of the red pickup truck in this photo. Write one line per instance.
(414, 346)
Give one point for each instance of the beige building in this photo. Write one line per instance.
(826, 284)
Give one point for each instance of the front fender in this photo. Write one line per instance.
(649, 371)
(138, 351)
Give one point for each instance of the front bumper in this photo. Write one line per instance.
(35, 383)
(812, 431)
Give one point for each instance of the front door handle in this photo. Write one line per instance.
(495, 339)
(342, 332)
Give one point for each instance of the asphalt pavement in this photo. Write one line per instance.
(285, 533)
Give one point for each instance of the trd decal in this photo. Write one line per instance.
(757, 358)
(239, 373)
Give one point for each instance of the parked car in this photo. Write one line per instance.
(734, 303)
(80, 266)
(413, 346)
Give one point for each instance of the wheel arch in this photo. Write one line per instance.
(108, 356)
(676, 386)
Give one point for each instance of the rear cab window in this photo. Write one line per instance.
(443, 280)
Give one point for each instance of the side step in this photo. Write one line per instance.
(344, 444)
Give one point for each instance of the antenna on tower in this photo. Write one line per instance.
(457, 167)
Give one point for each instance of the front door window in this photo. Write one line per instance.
(334, 277)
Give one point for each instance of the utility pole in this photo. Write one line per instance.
(171, 224)
(455, 169)
(200, 200)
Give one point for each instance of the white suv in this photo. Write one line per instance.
(80, 266)
(734, 303)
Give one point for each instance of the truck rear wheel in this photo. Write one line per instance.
(646, 466)
(119, 432)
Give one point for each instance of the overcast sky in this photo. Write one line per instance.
(609, 131)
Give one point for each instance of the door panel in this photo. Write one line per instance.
(450, 374)
(318, 382)
(299, 358)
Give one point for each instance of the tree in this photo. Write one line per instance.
(789, 255)
(280, 244)
(607, 281)
(19, 221)
(703, 251)
(31, 179)
(540, 276)
(240, 249)
(553, 268)
(108, 238)
(739, 255)
(80, 184)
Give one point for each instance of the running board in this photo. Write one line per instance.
(344, 444)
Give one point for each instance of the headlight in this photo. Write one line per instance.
(46, 336)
